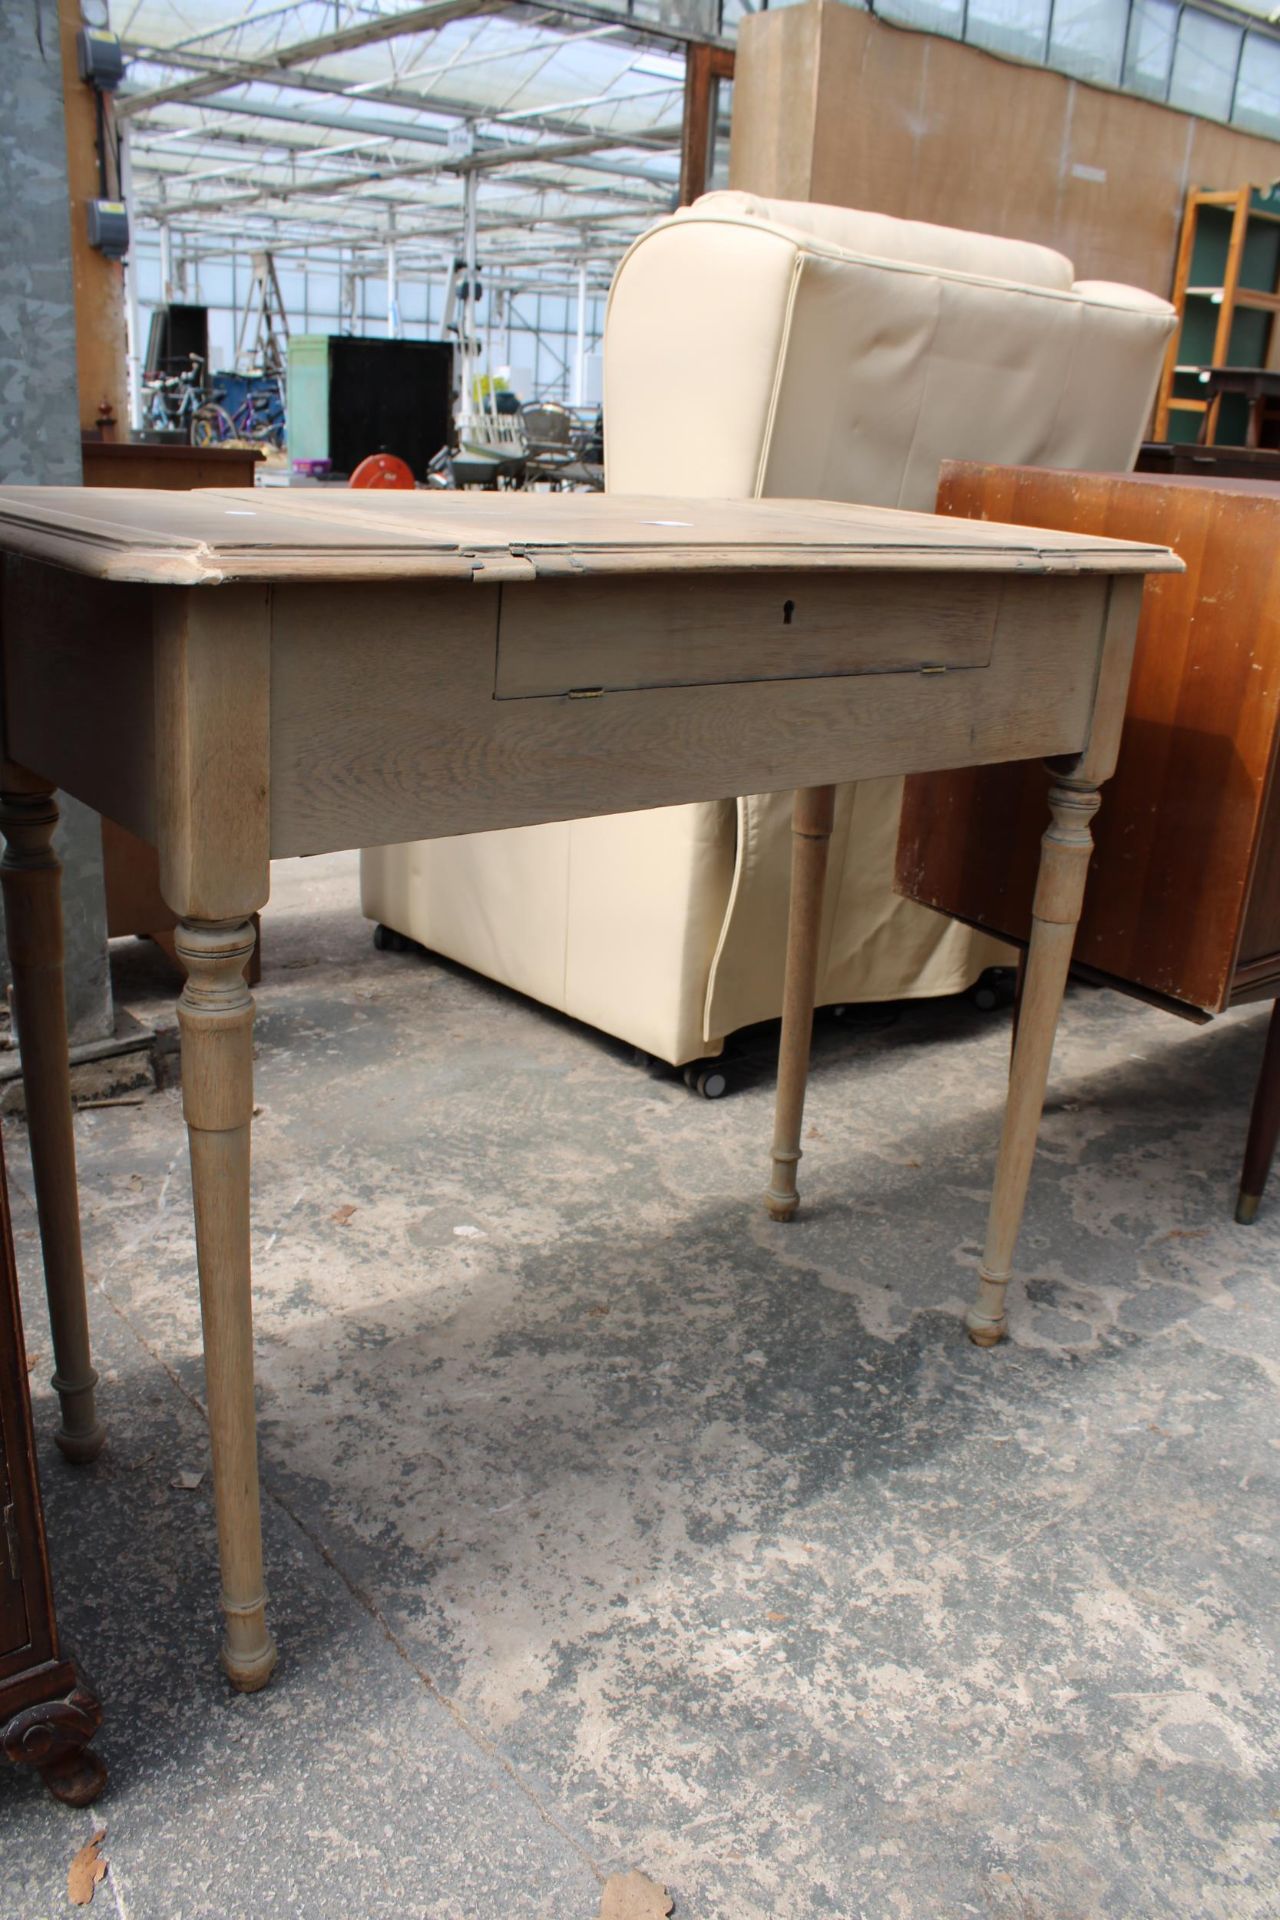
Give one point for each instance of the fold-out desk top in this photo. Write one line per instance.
(218, 534)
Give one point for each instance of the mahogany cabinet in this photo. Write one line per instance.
(48, 1714)
(1182, 906)
(142, 463)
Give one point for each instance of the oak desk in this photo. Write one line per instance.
(236, 680)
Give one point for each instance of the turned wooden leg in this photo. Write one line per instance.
(216, 1017)
(1064, 866)
(53, 1737)
(30, 874)
(1264, 1126)
(810, 838)
(1019, 987)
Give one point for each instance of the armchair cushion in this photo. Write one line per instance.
(880, 236)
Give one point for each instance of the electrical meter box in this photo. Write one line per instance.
(100, 58)
(108, 227)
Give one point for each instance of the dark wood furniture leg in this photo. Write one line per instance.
(1264, 1126)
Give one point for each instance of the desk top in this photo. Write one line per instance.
(217, 534)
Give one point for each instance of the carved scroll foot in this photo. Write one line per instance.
(54, 1737)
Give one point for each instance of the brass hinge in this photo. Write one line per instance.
(11, 1542)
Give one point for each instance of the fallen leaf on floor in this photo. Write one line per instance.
(186, 1481)
(341, 1217)
(633, 1896)
(33, 1361)
(86, 1870)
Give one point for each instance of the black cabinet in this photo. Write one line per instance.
(389, 396)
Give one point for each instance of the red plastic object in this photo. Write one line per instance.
(382, 470)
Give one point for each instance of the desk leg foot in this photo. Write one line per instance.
(811, 820)
(30, 874)
(1064, 866)
(215, 1014)
(985, 1320)
(1264, 1127)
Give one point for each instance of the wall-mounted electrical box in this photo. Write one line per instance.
(100, 58)
(108, 227)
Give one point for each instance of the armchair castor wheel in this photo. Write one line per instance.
(997, 987)
(387, 940)
(709, 1080)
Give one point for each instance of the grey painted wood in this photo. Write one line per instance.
(39, 421)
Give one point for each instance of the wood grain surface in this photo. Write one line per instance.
(401, 739)
(1185, 879)
(784, 626)
(215, 534)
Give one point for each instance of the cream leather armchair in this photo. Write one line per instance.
(764, 347)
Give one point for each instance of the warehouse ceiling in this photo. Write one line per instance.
(349, 123)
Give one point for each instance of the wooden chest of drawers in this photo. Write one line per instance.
(1182, 906)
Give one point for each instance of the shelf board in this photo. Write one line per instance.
(1188, 406)
(1245, 297)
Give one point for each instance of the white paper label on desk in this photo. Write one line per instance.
(668, 523)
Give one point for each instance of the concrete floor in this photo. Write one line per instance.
(609, 1526)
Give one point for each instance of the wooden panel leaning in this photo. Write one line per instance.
(1183, 902)
(305, 675)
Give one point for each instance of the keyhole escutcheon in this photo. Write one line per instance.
(788, 608)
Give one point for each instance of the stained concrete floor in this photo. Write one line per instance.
(609, 1526)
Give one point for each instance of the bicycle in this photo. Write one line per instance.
(259, 418)
(174, 399)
